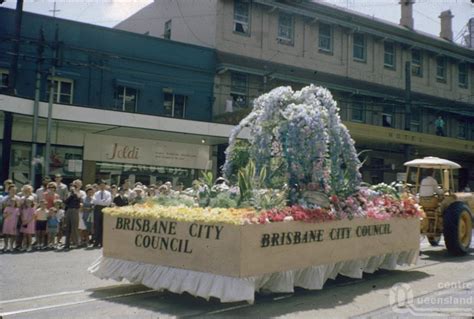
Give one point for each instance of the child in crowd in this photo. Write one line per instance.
(10, 220)
(58, 204)
(53, 225)
(28, 216)
(41, 223)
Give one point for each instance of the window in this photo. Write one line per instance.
(167, 32)
(174, 104)
(462, 130)
(241, 16)
(387, 116)
(325, 37)
(463, 75)
(441, 69)
(285, 28)
(3, 78)
(238, 90)
(415, 120)
(389, 55)
(126, 99)
(359, 53)
(416, 63)
(63, 90)
(358, 112)
(377, 170)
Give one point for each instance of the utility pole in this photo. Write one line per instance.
(12, 76)
(47, 154)
(407, 105)
(34, 133)
(13, 72)
(54, 10)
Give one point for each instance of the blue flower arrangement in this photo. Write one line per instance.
(299, 134)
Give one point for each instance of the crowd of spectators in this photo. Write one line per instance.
(57, 216)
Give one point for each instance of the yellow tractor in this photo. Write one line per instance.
(447, 212)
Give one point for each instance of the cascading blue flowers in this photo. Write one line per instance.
(305, 130)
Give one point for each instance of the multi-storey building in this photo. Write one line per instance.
(124, 105)
(391, 82)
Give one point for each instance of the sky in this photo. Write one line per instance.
(110, 12)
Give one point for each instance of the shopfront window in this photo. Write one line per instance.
(66, 161)
(116, 173)
(20, 157)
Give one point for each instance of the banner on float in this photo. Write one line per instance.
(249, 250)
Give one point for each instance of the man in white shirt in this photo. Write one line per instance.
(102, 198)
(429, 186)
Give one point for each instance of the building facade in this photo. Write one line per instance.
(125, 106)
(392, 83)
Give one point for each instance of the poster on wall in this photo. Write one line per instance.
(66, 161)
(20, 163)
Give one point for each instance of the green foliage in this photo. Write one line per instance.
(240, 157)
(248, 180)
(264, 199)
(346, 189)
(386, 189)
(207, 178)
(223, 200)
(178, 200)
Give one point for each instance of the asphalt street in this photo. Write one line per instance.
(50, 284)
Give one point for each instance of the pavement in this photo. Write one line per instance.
(56, 284)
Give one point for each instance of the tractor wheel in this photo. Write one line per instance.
(434, 240)
(457, 228)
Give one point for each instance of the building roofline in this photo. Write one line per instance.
(376, 27)
(106, 29)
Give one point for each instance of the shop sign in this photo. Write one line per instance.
(146, 152)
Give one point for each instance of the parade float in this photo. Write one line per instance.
(290, 213)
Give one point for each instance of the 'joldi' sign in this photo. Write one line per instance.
(248, 250)
(104, 148)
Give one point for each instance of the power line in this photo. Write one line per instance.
(189, 28)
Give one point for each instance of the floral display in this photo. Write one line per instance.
(301, 166)
(301, 135)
